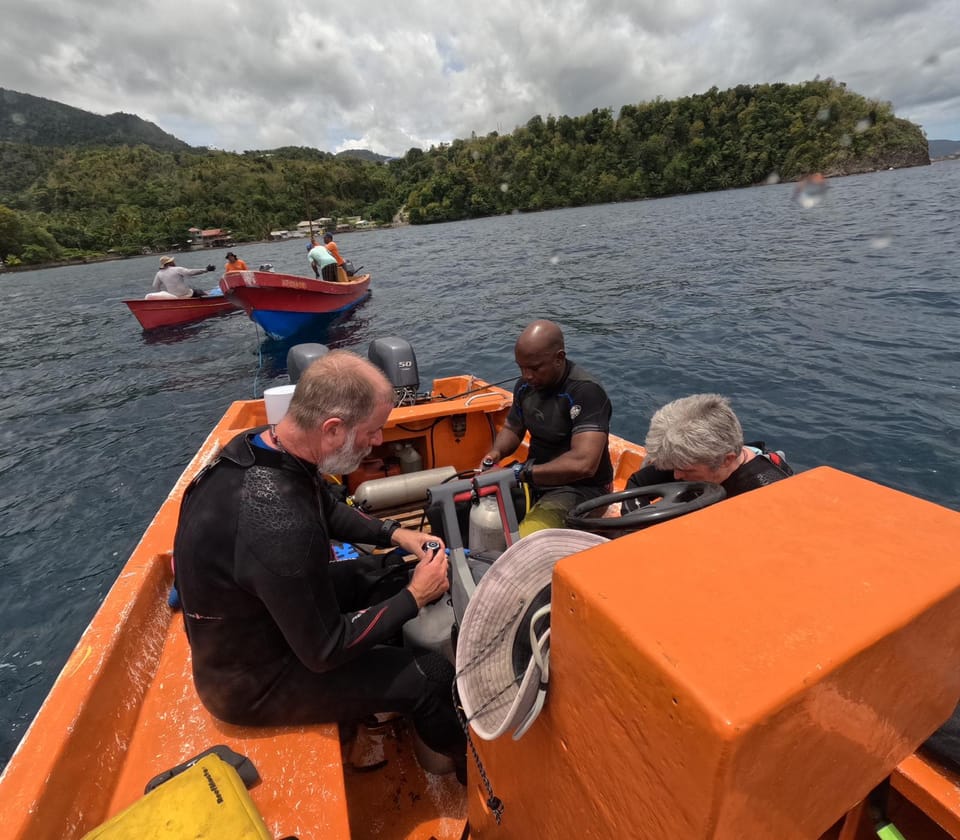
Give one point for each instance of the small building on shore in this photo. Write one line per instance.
(209, 238)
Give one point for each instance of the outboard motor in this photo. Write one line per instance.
(395, 357)
(300, 356)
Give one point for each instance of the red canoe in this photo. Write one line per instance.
(173, 311)
(288, 304)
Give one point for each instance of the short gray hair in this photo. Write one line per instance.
(339, 384)
(699, 429)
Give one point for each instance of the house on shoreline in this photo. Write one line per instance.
(210, 238)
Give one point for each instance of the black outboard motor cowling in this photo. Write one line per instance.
(300, 356)
(395, 357)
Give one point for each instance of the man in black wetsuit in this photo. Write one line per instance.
(699, 438)
(567, 413)
(279, 633)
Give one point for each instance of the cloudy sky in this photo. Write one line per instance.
(388, 76)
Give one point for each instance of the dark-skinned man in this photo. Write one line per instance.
(567, 413)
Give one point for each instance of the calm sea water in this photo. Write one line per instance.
(835, 329)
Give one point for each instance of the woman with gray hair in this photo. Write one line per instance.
(699, 438)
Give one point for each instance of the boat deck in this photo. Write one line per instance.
(305, 780)
(124, 708)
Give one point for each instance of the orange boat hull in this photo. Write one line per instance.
(124, 708)
(153, 314)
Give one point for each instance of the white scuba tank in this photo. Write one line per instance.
(410, 460)
(486, 526)
(393, 491)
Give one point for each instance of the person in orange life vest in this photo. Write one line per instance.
(234, 263)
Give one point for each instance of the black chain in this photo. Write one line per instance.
(494, 802)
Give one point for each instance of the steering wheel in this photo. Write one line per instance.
(663, 502)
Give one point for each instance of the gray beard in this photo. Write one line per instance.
(345, 460)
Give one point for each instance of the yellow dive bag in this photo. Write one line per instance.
(208, 801)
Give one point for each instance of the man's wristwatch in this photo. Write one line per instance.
(523, 473)
(387, 527)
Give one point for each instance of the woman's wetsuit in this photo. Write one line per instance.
(766, 468)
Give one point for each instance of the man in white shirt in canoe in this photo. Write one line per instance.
(170, 280)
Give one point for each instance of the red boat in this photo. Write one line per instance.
(171, 312)
(286, 305)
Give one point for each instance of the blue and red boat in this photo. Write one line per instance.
(288, 305)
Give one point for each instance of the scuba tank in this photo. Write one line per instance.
(486, 526)
(410, 460)
(393, 491)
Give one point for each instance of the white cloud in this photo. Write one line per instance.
(388, 76)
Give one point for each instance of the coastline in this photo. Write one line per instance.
(11, 269)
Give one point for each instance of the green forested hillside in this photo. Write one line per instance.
(43, 122)
(63, 202)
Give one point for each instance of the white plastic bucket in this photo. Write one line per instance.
(277, 399)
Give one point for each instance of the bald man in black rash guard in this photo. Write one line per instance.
(567, 413)
(279, 633)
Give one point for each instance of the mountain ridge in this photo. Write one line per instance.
(943, 148)
(37, 121)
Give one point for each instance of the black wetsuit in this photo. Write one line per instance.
(766, 468)
(577, 403)
(279, 633)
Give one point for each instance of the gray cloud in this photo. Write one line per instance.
(246, 75)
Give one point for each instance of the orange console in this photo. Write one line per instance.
(752, 671)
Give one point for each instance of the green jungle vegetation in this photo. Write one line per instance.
(90, 196)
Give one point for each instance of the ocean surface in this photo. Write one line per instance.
(834, 328)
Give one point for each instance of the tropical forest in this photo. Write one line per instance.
(79, 186)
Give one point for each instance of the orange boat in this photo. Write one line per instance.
(752, 670)
(172, 312)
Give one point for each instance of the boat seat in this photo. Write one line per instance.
(627, 464)
(174, 726)
(932, 788)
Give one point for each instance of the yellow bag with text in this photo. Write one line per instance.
(208, 801)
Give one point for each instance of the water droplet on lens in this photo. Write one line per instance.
(845, 140)
(554, 260)
(823, 114)
(504, 186)
(773, 178)
(861, 126)
(810, 190)
(880, 242)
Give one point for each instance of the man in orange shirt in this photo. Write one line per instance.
(234, 263)
(331, 246)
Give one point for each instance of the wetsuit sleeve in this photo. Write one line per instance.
(306, 611)
(595, 408)
(648, 475)
(283, 557)
(348, 524)
(644, 477)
